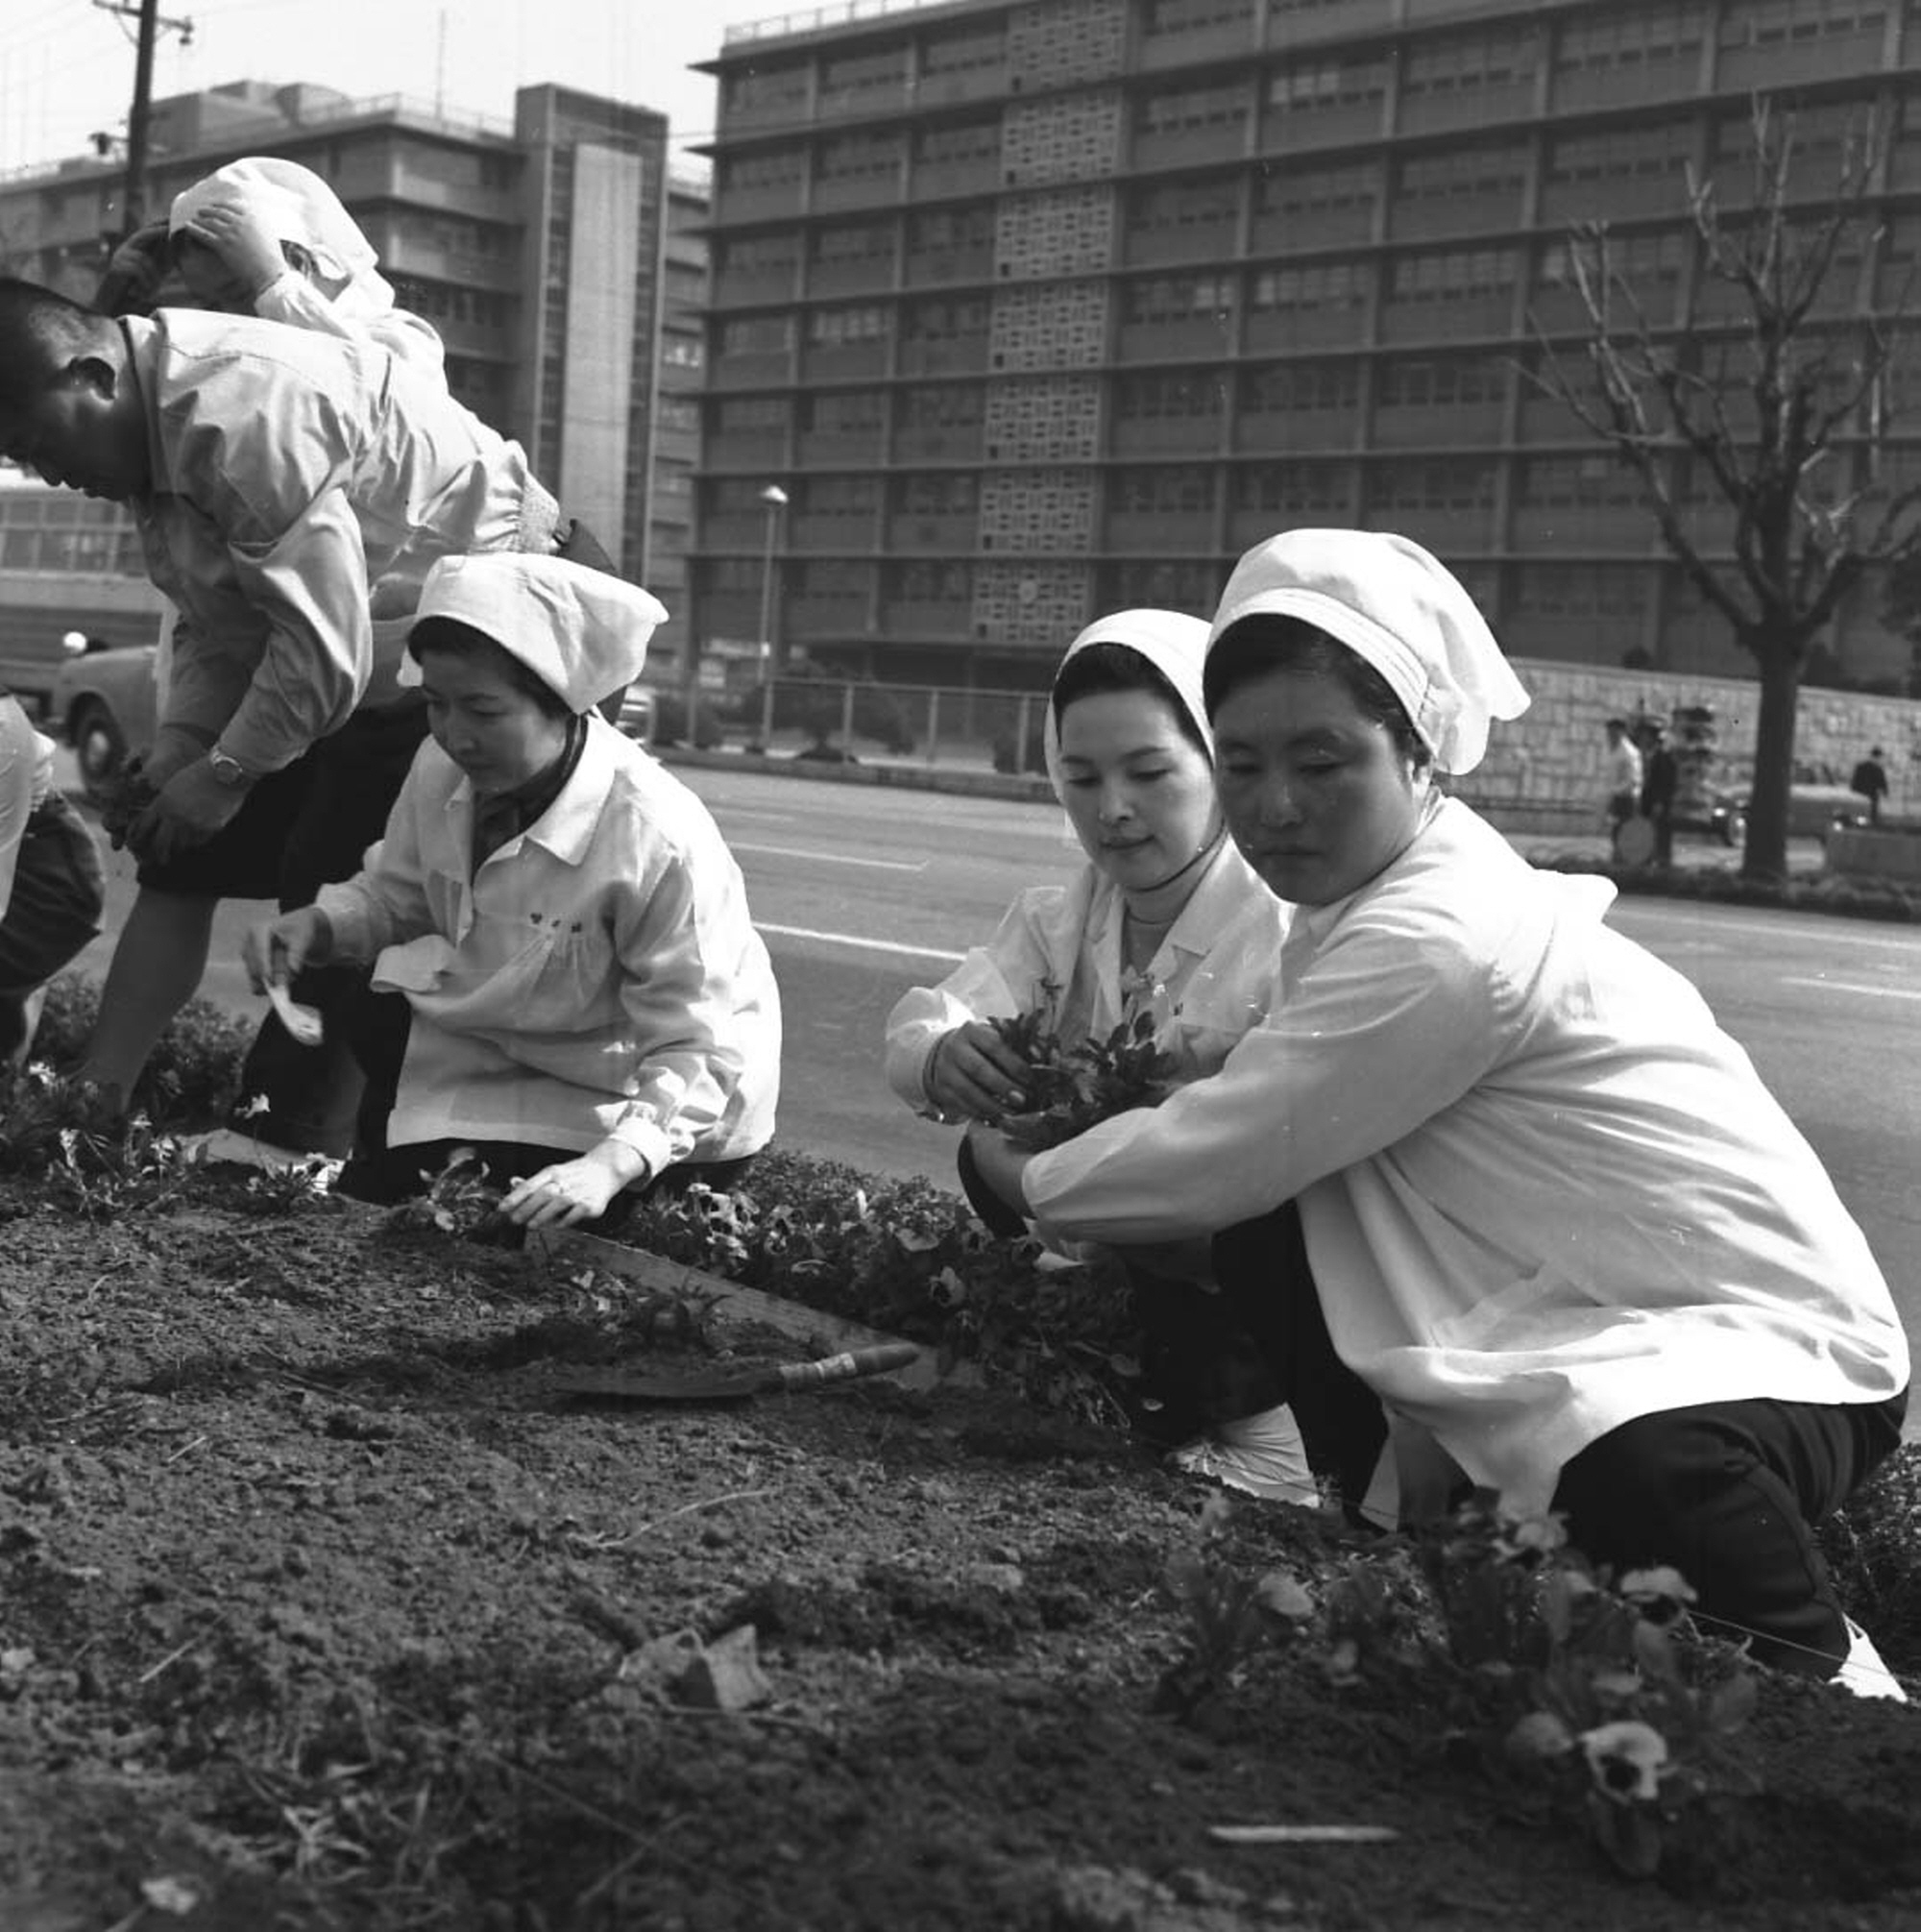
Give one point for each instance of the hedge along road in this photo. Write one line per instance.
(863, 892)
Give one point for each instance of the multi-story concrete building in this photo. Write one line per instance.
(1040, 308)
(558, 256)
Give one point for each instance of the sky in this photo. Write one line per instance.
(66, 66)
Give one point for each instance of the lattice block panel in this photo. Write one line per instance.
(1037, 510)
(1031, 604)
(1060, 325)
(1072, 138)
(1054, 42)
(1055, 420)
(1064, 231)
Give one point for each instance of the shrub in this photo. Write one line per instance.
(192, 1077)
(908, 1256)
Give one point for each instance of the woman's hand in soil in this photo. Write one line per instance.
(278, 950)
(572, 1191)
(972, 1073)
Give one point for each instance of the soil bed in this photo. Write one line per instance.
(320, 1608)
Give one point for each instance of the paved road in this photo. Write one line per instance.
(863, 893)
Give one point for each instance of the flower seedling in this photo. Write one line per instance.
(1071, 1087)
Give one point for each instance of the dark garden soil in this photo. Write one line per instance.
(320, 1608)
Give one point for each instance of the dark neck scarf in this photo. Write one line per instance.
(509, 814)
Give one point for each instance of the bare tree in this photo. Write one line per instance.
(1775, 408)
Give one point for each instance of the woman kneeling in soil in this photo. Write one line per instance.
(1556, 1223)
(566, 977)
(1164, 919)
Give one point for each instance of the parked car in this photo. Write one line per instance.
(1817, 802)
(103, 705)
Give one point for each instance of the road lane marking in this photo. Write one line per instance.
(1855, 986)
(829, 858)
(864, 944)
(1813, 925)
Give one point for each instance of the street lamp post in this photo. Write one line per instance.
(775, 499)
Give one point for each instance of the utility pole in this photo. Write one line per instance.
(151, 20)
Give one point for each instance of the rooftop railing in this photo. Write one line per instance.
(811, 20)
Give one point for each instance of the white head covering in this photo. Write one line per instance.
(298, 206)
(1401, 610)
(581, 632)
(1176, 645)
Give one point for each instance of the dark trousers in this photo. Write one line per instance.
(348, 786)
(377, 1027)
(1727, 1492)
(51, 913)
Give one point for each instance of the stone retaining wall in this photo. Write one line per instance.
(1552, 756)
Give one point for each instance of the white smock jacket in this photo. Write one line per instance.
(1542, 1192)
(1212, 977)
(290, 471)
(598, 977)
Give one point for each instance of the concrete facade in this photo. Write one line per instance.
(1041, 307)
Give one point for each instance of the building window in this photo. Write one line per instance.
(762, 88)
(1431, 488)
(858, 158)
(1661, 151)
(1182, 110)
(953, 405)
(1604, 41)
(1187, 16)
(843, 412)
(1178, 298)
(1442, 382)
(948, 144)
(1168, 489)
(1461, 174)
(841, 327)
(1316, 86)
(958, 230)
(1280, 388)
(1781, 23)
(756, 334)
(1291, 191)
(938, 494)
(750, 415)
(763, 168)
(1297, 490)
(1310, 284)
(769, 254)
(1185, 204)
(1195, 394)
(864, 241)
(841, 496)
(1138, 584)
(935, 321)
(1471, 64)
(1453, 275)
(956, 53)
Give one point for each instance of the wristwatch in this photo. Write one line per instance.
(228, 769)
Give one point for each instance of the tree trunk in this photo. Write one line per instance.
(1778, 658)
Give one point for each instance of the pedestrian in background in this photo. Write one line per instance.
(1660, 781)
(1623, 779)
(1870, 780)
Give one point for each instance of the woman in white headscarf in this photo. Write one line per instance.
(268, 237)
(1557, 1226)
(566, 975)
(1164, 919)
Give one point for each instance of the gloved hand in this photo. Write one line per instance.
(142, 777)
(191, 807)
(134, 272)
